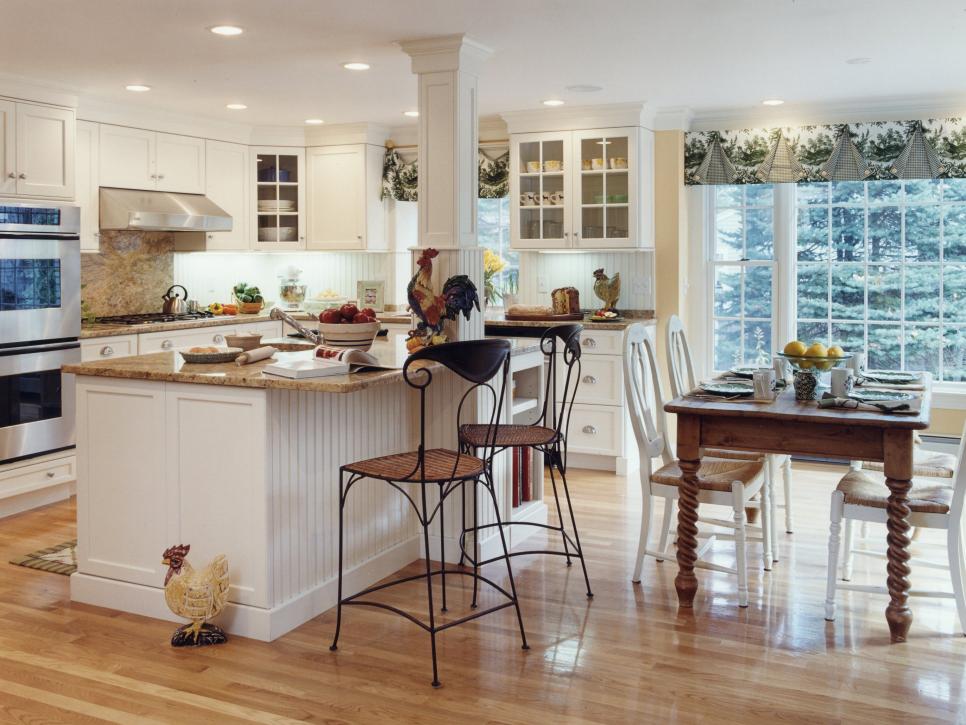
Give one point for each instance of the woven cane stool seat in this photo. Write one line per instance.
(926, 497)
(507, 435)
(932, 464)
(441, 465)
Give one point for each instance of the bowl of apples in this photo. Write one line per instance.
(348, 326)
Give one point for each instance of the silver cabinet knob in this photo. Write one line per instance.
(160, 176)
(50, 474)
(589, 342)
(590, 379)
(154, 176)
(166, 345)
(358, 236)
(590, 430)
(301, 239)
(22, 176)
(107, 351)
(12, 175)
(218, 338)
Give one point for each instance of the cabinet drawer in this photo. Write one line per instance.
(24, 479)
(600, 380)
(597, 430)
(103, 348)
(601, 342)
(268, 330)
(161, 341)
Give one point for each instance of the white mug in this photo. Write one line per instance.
(843, 379)
(780, 365)
(764, 381)
(857, 364)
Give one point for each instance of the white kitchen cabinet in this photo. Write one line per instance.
(177, 339)
(227, 184)
(279, 209)
(582, 189)
(344, 206)
(36, 150)
(86, 186)
(180, 163)
(133, 158)
(33, 482)
(8, 147)
(107, 348)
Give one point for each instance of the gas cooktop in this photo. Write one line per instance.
(152, 317)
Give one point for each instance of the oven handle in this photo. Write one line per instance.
(28, 349)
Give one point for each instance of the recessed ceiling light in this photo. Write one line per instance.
(772, 102)
(314, 121)
(861, 60)
(236, 106)
(226, 30)
(553, 102)
(138, 88)
(411, 114)
(584, 88)
(355, 66)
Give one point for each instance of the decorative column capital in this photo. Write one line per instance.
(446, 53)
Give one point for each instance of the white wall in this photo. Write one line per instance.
(548, 271)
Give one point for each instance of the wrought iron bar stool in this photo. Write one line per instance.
(547, 435)
(481, 363)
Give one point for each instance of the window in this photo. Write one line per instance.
(876, 266)
(743, 262)
(493, 227)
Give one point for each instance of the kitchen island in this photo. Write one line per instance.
(231, 460)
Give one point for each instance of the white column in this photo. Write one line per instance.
(448, 68)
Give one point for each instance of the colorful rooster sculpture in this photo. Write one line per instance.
(459, 296)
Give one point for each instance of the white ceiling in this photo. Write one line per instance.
(702, 54)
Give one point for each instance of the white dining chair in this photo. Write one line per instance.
(723, 482)
(681, 372)
(934, 503)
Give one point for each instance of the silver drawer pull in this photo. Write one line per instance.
(107, 351)
(50, 474)
(590, 430)
(166, 345)
(218, 338)
(590, 379)
(22, 176)
(590, 342)
(12, 175)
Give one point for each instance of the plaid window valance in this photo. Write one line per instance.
(399, 179)
(930, 149)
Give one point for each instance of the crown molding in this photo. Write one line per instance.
(573, 118)
(898, 108)
(346, 133)
(154, 119)
(445, 53)
(26, 89)
(673, 119)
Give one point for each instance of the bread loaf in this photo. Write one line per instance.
(566, 301)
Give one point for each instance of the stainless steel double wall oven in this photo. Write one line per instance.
(39, 326)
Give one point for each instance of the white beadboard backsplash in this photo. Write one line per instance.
(576, 270)
(210, 277)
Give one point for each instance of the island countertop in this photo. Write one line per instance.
(169, 366)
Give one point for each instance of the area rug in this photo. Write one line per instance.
(60, 559)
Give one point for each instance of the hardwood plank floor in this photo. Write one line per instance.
(625, 656)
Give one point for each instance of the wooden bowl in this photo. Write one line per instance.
(249, 308)
(358, 335)
(245, 342)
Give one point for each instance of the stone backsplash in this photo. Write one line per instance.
(129, 274)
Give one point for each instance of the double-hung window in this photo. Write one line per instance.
(877, 267)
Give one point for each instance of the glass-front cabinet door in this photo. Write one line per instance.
(606, 178)
(540, 165)
(280, 199)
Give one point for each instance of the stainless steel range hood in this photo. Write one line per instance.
(161, 211)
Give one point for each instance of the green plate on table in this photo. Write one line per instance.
(743, 371)
(890, 377)
(880, 396)
(728, 389)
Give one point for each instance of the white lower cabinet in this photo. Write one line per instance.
(114, 346)
(36, 482)
(597, 430)
(105, 348)
(162, 341)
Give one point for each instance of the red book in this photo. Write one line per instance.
(515, 452)
(525, 454)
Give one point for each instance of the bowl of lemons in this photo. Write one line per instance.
(814, 358)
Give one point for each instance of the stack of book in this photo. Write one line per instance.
(521, 485)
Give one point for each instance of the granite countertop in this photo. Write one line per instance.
(645, 318)
(171, 367)
(98, 329)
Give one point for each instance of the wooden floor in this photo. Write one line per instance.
(625, 656)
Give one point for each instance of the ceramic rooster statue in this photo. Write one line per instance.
(195, 595)
(459, 296)
(608, 289)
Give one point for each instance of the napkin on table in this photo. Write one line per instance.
(904, 407)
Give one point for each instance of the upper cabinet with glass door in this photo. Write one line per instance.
(280, 199)
(584, 189)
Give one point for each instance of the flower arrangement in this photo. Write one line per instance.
(493, 264)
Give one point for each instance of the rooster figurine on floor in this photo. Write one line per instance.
(195, 595)
(459, 296)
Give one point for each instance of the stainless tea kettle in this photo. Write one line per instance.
(175, 305)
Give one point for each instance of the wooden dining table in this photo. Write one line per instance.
(788, 426)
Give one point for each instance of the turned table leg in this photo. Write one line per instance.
(898, 469)
(689, 458)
